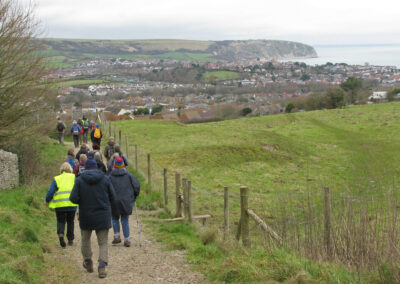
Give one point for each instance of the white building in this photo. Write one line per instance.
(378, 96)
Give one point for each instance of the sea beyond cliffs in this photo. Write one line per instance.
(381, 55)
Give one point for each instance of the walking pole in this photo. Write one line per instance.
(138, 226)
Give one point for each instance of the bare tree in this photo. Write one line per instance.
(23, 91)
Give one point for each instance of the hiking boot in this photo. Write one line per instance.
(102, 269)
(116, 240)
(88, 265)
(62, 242)
(70, 243)
(127, 243)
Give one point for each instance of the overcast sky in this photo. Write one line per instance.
(308, 21)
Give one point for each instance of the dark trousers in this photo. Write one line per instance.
(61, 137)
(62, 218)
(85, 136)
(96, 141)
(76, 140)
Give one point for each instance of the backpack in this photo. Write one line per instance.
(110, 151)
(97, 133)
(85, 124)
(75, 130)
(81, 169)
(60, 126)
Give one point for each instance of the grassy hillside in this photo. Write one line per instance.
(28, 227)
(76, 83)
(347, 144)
(144, 44)
(63, 52)
(287, 161)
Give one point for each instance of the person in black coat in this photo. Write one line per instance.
(127, 188)
(94, 193)
(83, 150)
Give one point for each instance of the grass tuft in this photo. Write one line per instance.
(208, 235)
(29, 235)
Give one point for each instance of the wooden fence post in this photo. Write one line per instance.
(109, 129)
(178, 195)
(115, 136)
(127, 147)
(149, 170)
(327, 226)
(165, 188)
(120, 138)
(185, 198)
(239, 230)
(136, 158)
(189, 201)
(244, 216)
(226, 212)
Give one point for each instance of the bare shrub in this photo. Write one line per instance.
(23, 92)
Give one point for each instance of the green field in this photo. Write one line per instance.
(287, 161)
(69, 59)
(60, 61)
(123, 56)
(347, 149)
(72, 51)
(144, 44)
(75, 83)
(202, 57)
(221, 75)
(347, 144)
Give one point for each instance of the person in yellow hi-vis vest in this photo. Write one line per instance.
(58, 199)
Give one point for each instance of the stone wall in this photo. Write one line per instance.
(9, 173)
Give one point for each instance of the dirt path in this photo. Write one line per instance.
(146, 264)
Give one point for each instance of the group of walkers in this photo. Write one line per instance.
(80, 131)
(105, 194)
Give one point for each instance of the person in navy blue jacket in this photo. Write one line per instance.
(95, 194)
(127, 189)
(75, 132)
(71, 158)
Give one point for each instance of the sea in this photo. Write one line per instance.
(380, 55)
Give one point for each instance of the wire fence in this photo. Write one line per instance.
(321, 223)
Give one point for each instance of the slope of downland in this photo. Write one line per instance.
(352, 150)
(64, 52)
(29, 247)
(259, 152)
(28, 226)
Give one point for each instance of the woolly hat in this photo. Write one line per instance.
(119, 163)
(97, 126)
(90, 164)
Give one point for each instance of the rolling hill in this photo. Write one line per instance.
(288, 161)
(180, 49)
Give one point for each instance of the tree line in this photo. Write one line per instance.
(352, 91)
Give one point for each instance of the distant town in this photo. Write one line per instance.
(202, 91)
